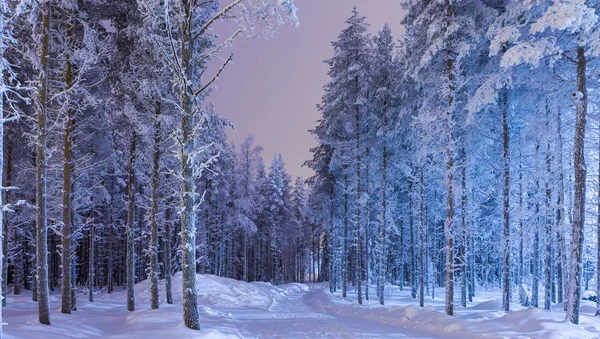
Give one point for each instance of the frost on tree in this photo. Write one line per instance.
(182, 32)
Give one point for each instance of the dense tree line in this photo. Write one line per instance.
(457, 156)
(116, 167)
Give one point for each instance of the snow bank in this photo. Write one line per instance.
(224, 293)
(480, 319)
(412, 317)
(107, 317)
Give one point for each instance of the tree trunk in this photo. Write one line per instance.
(560, 212)
(521, 224)
(2, 214)
(579, 191)
(411, 238)
(367, 228)
(4, 221)
(598, 244)
(421, 240)
(168, 237)
(110, 256)
(91, 251)
(18, 257)
(536, 245)
(153, 257)
(358, 198)
(383, 226)
(130, 226)
(345, 252)
(331, 238)
(41, 213)
(548, 228)
(506, 208)
(463, 247)
(401, 257)
(449, 237)
(449, 181)
(67, 210)
(188, 182)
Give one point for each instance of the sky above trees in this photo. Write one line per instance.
(274, 85)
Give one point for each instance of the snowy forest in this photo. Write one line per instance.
(457, 164)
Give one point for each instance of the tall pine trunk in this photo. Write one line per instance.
(153, 251)
(521, 264)
(506, 207)
(548, 229)
(463, 247)
(67, 210)
(130, 276)
(5, 224)
(188, 126)
(41, 213)
(421, 240)
(536, 245)
(579, 191)
(367, 228)
(560, 212)
(2, 214)
(411, 238)
(448, 180)
(448, 235)
(91, 252)
(345, 252)
(383, 226)
(358, 200)
(167, 264)
(598, 243)
(330, 238)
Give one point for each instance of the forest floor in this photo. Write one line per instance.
(234, 309)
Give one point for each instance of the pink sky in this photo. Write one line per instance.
(272, 89)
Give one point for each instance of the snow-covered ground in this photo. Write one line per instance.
(234, 309)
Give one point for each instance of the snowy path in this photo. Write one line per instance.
(231, 309)
(294, 317)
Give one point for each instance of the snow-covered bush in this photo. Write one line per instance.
(589, 295)
(524, 295)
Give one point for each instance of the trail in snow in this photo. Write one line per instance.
(293, 317)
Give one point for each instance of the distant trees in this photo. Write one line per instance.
(181, 33)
